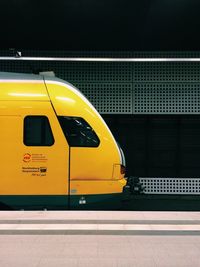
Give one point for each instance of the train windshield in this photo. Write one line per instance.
(78, 132)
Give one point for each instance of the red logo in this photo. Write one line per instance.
(27, 157)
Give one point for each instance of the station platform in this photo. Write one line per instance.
(98, 238)
(99, 222)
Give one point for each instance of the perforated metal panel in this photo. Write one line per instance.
(184, 186)
(15, 66)
(166, 98)
(166, 72)
(166, 54)
(64, 53)
(97, 72)
(109, 97)
(114, 87)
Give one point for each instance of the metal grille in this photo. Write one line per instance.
(63, 53)
(184, 186)
(15, 66)
(109, 97)
(166, 72)
(166, 98)
(95, 72)
(166, 54)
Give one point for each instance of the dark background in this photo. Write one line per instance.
(158, 145)
(100, 24)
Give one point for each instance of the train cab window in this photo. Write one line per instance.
(78, 132)
(37, 131)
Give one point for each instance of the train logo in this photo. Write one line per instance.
(27, 157)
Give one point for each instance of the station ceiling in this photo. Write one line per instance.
(152, 25)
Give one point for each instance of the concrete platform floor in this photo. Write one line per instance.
(99, 251)
(118, 239)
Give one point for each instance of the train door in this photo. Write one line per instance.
(40, 157)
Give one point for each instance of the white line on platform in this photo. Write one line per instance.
(98, 215)
(100, 227)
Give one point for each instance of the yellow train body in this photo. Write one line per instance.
(39, 167)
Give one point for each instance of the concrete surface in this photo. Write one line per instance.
(99, 251)
(60, 216)
(99, 222)
(121, 239)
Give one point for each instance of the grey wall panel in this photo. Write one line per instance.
(91, 72)
(166, 98)
(166, 72)
(112, 98)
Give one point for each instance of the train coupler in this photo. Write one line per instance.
(133, 187)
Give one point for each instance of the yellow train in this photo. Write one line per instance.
(56, 150)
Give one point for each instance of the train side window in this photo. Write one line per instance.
(78, 132)
(37, 131)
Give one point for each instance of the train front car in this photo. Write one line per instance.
(96, 163)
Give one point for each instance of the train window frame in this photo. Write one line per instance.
(45, 144)
(68, 135)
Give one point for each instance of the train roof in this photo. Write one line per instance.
(38, 80)
(27, 76)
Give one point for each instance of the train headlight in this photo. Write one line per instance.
(123, 169)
